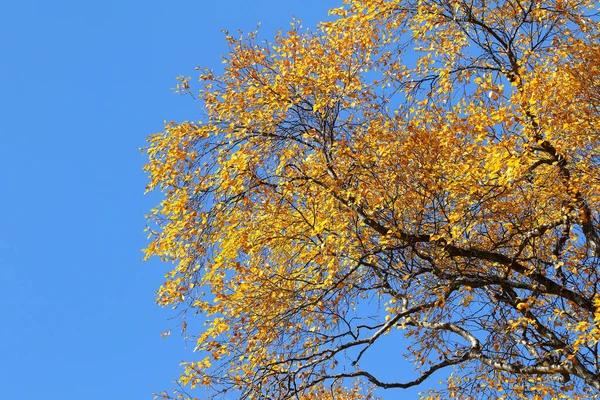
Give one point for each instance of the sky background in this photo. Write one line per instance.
(83, 83)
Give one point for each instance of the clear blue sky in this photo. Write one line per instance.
(83, 83)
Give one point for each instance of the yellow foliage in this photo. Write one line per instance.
(430, 166)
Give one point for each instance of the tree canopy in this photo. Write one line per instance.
(425, 170)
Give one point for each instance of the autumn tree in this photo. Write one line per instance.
(420, 169)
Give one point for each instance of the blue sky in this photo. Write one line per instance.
(83, 83)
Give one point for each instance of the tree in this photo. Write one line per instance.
(426, 169)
